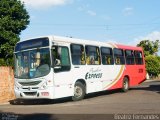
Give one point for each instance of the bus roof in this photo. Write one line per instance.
(128, 47)
(92, 42)
(86, 42)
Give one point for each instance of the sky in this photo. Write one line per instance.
(120, 21)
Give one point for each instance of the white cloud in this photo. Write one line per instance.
(38, 4)
(155, 35)
(105, 17)
(127, 11)
(91, 13)
(85, 9)
(80, 8)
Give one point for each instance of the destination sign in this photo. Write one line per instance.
(33, 43)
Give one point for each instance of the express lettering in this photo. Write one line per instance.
(93, 75)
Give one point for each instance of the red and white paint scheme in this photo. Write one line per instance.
(54, 67)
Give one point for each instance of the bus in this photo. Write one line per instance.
(54, 67)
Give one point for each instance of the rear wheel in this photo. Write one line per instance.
(79, 91)
(125, 86)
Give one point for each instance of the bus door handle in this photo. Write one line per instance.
(76, 67)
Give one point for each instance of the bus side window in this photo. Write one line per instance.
(92, 55)
(138, 57)
(129, 55)
(107, 56)
(61, 58)
(78, 54)
(119, 56)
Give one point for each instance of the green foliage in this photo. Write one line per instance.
(7, 62)
(158, 57)
(152, 65)
(149, 47)
(13, 19)
(2, 62)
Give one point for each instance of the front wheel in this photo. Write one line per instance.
(79, 91)
(125, 84)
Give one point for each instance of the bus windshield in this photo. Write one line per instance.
(32, 63)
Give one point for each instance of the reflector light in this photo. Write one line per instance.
(45, 93)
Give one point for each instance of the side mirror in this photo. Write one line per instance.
(57, 64)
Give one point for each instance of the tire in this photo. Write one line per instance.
(79, 91)
(125, 84)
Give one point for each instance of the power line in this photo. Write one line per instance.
(96, 25)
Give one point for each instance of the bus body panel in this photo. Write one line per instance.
(105, 78)
(97, 77)
(135, 73)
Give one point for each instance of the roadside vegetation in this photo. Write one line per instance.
(13, 19)
(152, 59)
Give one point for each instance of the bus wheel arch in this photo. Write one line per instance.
(125, 83)
(79, 90)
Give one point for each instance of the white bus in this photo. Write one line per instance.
(54, 67)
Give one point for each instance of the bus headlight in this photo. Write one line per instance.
(17, 86)
(43, 86)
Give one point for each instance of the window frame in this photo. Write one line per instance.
(141, 58)
(119, 59)
(107, 55)
(60, 68)
(81, 61)
(130, 57)
(88, 55)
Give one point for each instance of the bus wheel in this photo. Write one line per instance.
(125, 86)
(79, 91)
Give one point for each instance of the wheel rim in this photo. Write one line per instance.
(78, 91)
(125, 85)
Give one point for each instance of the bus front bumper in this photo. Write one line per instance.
(34, 94)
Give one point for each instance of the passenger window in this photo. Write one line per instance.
(119, 56)
(129, 54)
(61, 61)
(78, 54)
(107, 56)
(138, 57)
(92, 55)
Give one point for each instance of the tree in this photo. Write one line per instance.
(149, 47)
(152, 61)
(152, 65)
(13, 19)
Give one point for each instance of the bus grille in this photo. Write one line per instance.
(29, 83)
(30, 93)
